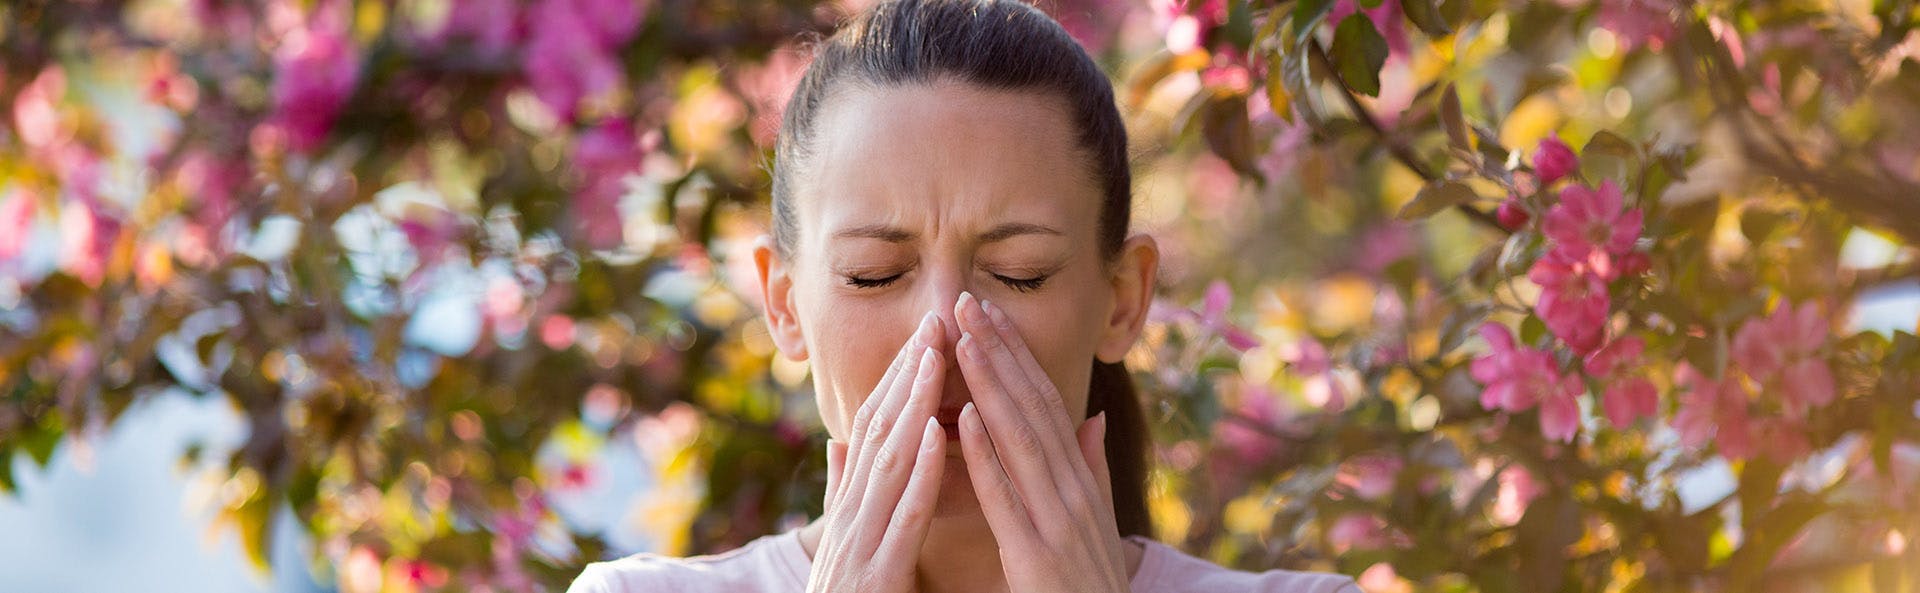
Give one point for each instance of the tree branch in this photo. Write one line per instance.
(1400, 151)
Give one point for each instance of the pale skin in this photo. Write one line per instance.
(947, 258)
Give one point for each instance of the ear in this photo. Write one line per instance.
(1132, 278)
(776, 299)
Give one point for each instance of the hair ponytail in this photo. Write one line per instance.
(1111, 391)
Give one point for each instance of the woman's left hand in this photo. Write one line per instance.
(1043, 485)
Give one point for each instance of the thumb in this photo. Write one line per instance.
(836, 465)
(1093, 447)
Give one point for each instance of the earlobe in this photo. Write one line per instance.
(1133, 279)
(776, 300)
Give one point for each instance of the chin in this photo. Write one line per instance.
(956, 490)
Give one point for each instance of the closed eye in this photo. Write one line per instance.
(860, 282)
(1022, 284)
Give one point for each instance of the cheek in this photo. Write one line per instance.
(851, 344)
(1063, 336)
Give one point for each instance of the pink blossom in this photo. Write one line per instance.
(1363, 531)
(1638, 22)
(1511, 214)
(1573, 301)
(1712, 408)
(315, 71)
(1628, 394)
(1517, 489)
(1518, 378)
(16, 221)
(768, 87)
(1246, 445)
(1093, 23)
(604, 156)
(1382, 245)
(1782, 352)
(1370, 476)
(1554, 160)
(431, 232)
(1590, 226)
(1187, 24)
(36, 116)
(88, 237)
(501, 304)
(492, 27)
(212, 183)
(1310, 360)
(572, 53)
(1212, 316)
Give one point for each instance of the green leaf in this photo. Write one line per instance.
(1436, 196)
(1358, 53)
(1240, 24)
(1279, 99)
(1426, 15)
(1611, 144)
(1461, 323)
(1453, 120)
(1306, 13)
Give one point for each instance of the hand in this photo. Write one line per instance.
(1046, 496)
(877, 511)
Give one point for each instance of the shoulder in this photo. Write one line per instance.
(1165, 569)
(766, 564)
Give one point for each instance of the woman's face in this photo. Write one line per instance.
(915, 194)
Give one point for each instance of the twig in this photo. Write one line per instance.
(1399, 151)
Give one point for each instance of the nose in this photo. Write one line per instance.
(941, 293)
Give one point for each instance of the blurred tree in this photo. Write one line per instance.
(1532, 277)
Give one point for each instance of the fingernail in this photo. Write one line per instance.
(960, 304)
(967, 346)
(920, 333)
(933, 435)
(1102, 419)
(993, 313)
(965, 412)
(928, 360)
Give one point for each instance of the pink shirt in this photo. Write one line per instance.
(778, 563)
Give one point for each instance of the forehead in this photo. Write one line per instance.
(973, 154)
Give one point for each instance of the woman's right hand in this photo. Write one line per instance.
(883, 481)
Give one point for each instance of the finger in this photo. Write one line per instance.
(912, 518)
(836, 465)
(1032, 390)
(1037, 400)
(880, 412)
(1017, 445)
(1003, 325)
(893, 463)
(999, 500)
(1093, 441)
(1093, 446)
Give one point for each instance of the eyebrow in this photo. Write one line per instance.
(893, 234)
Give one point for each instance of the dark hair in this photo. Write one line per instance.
(996, 45)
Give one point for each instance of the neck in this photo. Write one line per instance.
(959, 555)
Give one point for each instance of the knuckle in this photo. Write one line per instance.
(1081, 505)
(864, 415)
(911, 513)
(876, 434)
(887, 460)
(1024, 441)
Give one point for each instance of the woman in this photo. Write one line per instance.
(952, 176)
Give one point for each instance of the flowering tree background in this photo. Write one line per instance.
(1459, 295)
